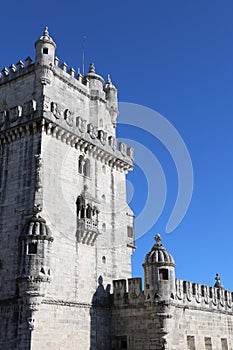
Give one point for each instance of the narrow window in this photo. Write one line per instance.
(86, 168)
(104, 227)
(163, 274)
(224, 344)
(80, 164)
(32, 248)
(45, 50)
(104, 259)
(191, 342)
(130, 231)
(208, 343)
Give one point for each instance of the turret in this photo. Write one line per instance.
(159, 273)
(95, 81)
(112, 102)
(45, 49)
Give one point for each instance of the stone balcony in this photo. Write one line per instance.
(87, 231)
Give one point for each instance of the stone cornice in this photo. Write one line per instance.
(84, 143)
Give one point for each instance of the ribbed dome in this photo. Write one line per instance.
(158, 255)
(37, 227)
(46, 38)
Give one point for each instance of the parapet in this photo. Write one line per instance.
(188, 295)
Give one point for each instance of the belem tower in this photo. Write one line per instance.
(67, 233)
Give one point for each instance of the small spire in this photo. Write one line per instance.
(218, 283)
(46, 31)
(109, 81)
(158, 239)
(91, 68)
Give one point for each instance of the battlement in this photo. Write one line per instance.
(83, 83)
(188, 295)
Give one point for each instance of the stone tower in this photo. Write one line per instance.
(64, 220)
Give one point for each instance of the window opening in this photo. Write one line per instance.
(163, 274)
(32, 248)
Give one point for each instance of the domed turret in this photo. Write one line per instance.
(111, 97)
(95, 81)
(45, 49)
(159, 273)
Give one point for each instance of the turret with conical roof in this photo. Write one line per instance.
(159, 273)
(45, 49)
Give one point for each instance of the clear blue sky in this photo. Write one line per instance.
(175, 57)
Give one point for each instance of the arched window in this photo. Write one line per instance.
(84, 166)
(89, 212)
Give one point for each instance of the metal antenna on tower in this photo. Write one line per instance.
(83, 53)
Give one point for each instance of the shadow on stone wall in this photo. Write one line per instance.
(101, 318)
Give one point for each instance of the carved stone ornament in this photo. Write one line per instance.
(15, 113)
(130, 152)
(179, 289)
(222, 297)
(56, 110)
(2, 117)
(206, 294)
(81, 124)
(45, 104)
(93, 131)
(68, 117)
(197, 292)
(189, 292)
(45, 76)
(214, 296)
(122, 148)
(229, 298)
(112, 142)
(134, 289)
(102, 137)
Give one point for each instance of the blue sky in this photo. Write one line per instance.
(175, 57)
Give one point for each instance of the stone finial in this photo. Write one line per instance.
(28, 61)
(5, 72)
(64, 66)
(12, 68)
(20, 64)
(158, 239)
(56, 61)
(91, 68)
(46, 31)
(109, 81)
(71, 72)
(218, 283)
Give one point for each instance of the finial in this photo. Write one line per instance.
(109, 81)
(158, 239)
(218, 283)
(91, 68)
(46, 31)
